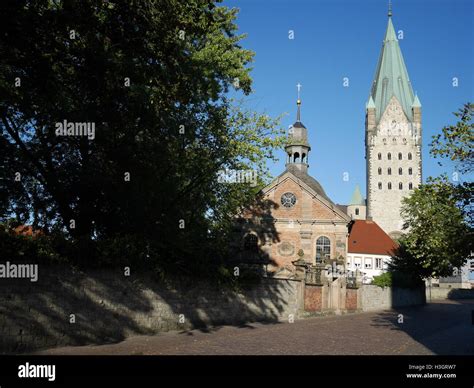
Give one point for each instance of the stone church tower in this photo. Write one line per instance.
(392, 137)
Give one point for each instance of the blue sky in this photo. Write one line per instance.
(342, 38)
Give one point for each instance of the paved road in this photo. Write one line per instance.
(441, 327)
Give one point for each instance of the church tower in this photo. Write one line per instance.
(297, 148)
(392, 137)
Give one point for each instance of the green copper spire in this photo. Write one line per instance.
(391, 77)
(416, 102)
(370, 103)
(357, 198)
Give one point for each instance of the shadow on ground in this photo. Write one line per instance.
(443, 327)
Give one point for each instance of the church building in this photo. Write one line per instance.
(297, 220)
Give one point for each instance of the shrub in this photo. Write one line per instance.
(397, 279)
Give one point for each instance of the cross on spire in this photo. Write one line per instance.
(298, 103)
(389, 8)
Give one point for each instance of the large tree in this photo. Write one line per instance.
(154, 77)
(438, 215)
(438, 238)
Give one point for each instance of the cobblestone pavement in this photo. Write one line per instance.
(441, 327)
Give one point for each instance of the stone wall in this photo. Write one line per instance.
(378, 298)
(107, 307)
(434, 293)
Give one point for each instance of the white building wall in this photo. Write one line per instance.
(371, 265)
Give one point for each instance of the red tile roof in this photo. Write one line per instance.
(27, 230)
(367, 237)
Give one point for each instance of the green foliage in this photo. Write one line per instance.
(383, 280)
(438, 237)
(438, 215)
(397, 278)
(456, 142)
(173, 129)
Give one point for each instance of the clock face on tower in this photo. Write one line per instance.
(288, 200)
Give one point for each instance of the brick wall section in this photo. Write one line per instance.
(351, 299)
(312, 298)
(109, 307)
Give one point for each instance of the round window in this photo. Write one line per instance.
(288, 200)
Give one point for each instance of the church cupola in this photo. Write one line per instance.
(297, 148)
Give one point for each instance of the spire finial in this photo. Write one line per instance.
(389, 8)
(298, 103)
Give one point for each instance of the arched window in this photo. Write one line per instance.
(410, 171)
(296, 157)
(400, 186)
(357, 211)
(380, 170)
(390, 185)
(289, 158)
(380, 185)
(380, 156)
(410, 186)
(409, 156)
(400, 171)
(323, 249)
(303, 158)
(389, 171)
(251, 243)
(389, 156)
(399, 156)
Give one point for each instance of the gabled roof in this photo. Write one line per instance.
(391, 77)
(367, 237)
(311, 185)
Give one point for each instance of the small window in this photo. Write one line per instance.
(400, 186)
(390, 185)
(389, 156)
(378, 263)
(409, 156)
(357, 211)
(368, 263)
(380, 156)
(410, 171)
(410, 186)
(389, 171)
(399, 156)
(380, 185)
(380, 170)
(400, 171)
(357, 262)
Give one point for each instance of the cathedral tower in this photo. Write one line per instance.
(392, 137)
